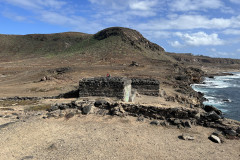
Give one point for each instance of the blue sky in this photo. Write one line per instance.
(201, 27)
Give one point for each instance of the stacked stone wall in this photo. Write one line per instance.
(146, 86)
(118, 87)
(104, 86)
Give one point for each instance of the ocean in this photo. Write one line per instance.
(222, 92)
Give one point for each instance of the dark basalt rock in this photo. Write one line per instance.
(181, 78)
(238, 130)
(230, 132)
(155, 122)
(87, 109)
(187, 124)
(101, 103)
(53, 108)
(63, 106)
(208, 108)
(213, 116)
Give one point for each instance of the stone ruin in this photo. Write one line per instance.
(146, 86)
(120, 87)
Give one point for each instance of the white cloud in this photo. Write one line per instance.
(30, 4)
(188, 22)
(128, 8)
(200, 39)
(76, 22)
(213, 49)
(144, 5)
(232, 32)
(142, 14)
(51, 11)
(176, 44)
(235, 1)
(191, 5)
(224, 54)
(238, 50)
(13, 16)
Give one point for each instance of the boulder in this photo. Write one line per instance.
(164, 123)
(53, 108)
(238, 130)
(69, 115)
(213, 116)
(63, 106)
(208, 108)
(101, 103)
(87, 109)
(185, 136)
(155, 122)
(226, 100)
(187, 124)
(215, 139)
(230, 132)
(217, 133)
(54, 114)
(176, 121)
(118, 110)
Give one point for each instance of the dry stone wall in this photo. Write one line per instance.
(105, 86)
(119, 87)
(146, 86)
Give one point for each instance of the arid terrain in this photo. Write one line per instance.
(53, 66)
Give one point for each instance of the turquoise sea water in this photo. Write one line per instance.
(222, 92)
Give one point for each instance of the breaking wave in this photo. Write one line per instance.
(222, 92)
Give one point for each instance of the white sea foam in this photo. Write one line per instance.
(221, 81)
(214, 101)
(223, 110)
(218, 97)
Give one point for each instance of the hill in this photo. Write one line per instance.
(122, 44)
(115, 41)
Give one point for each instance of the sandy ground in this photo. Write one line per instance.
(97, 137)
